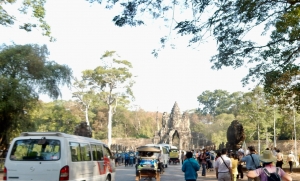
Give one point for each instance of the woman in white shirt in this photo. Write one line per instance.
(291, 159)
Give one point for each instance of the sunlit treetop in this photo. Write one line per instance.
(34, 8)
(229, 23)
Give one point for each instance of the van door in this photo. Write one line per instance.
(109, 163)
(98, 170)
(33, 159)
(81, 165)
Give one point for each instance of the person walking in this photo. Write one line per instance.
(223, 167)
(212, 160)
(279, 159)
(182, 157)
(291, 159)
(252, 161)
(190, 167)
(267, 158)
(234, 161)
(240, 165)
(203, 157)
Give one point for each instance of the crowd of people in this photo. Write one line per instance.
(228, 165)
(127, 158)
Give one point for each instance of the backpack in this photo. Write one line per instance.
(272, 176)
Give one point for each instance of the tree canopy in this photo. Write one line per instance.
(25, 71)
(112, 81)
(33, 8)
(233, 25)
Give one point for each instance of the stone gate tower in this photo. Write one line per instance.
(175, 129)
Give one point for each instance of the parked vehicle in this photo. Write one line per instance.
(53, 156)
(164, 153)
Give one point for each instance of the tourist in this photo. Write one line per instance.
(247, 151)
(252, 161)
(182, 156)
(218, 155)
(212, 160)
(190, 168)
(279, 159)
(223, 167)
(197, 155)
(208, 161)
(291, 159)
(126, 159)
(199, 158)
(131, 157)
(240, 165)
(203, 158)
(234, 161)
(268, 159)
(241, 149)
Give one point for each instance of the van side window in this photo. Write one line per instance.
(106, 152)
(94, 151)
(85, 152)
(99, 152)
(75, 152)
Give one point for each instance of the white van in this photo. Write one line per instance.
(55, 156)
(165, 153)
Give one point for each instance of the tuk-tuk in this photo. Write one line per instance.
(174, 155)
(148, 163)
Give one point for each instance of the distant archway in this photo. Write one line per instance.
(176, 139)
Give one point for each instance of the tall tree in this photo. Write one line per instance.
(35, 8)
(236, 100)
(231, 24)
(213, 103)
(24, 73)
(84, 96)
(111, 81)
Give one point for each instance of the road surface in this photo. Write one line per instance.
(172, 173)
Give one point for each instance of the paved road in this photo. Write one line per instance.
(172, 173)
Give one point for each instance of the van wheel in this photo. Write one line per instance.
(107, 178)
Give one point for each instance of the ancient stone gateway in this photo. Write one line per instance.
(175, 129)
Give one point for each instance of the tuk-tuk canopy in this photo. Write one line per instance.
(148, 149)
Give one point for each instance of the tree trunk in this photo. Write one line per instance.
(109, 125)
(86, 116)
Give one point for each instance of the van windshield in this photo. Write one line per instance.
(35, 150)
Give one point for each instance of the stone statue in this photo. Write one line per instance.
(164, 119)
(186, 121)
(83, 130)
(235, 135)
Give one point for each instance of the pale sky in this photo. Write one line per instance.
(84, 32)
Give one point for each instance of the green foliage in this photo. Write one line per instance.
(112, 82)
(214, 102)
(24, 73)
(231, 24)
(56, 116)
(35, 8)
